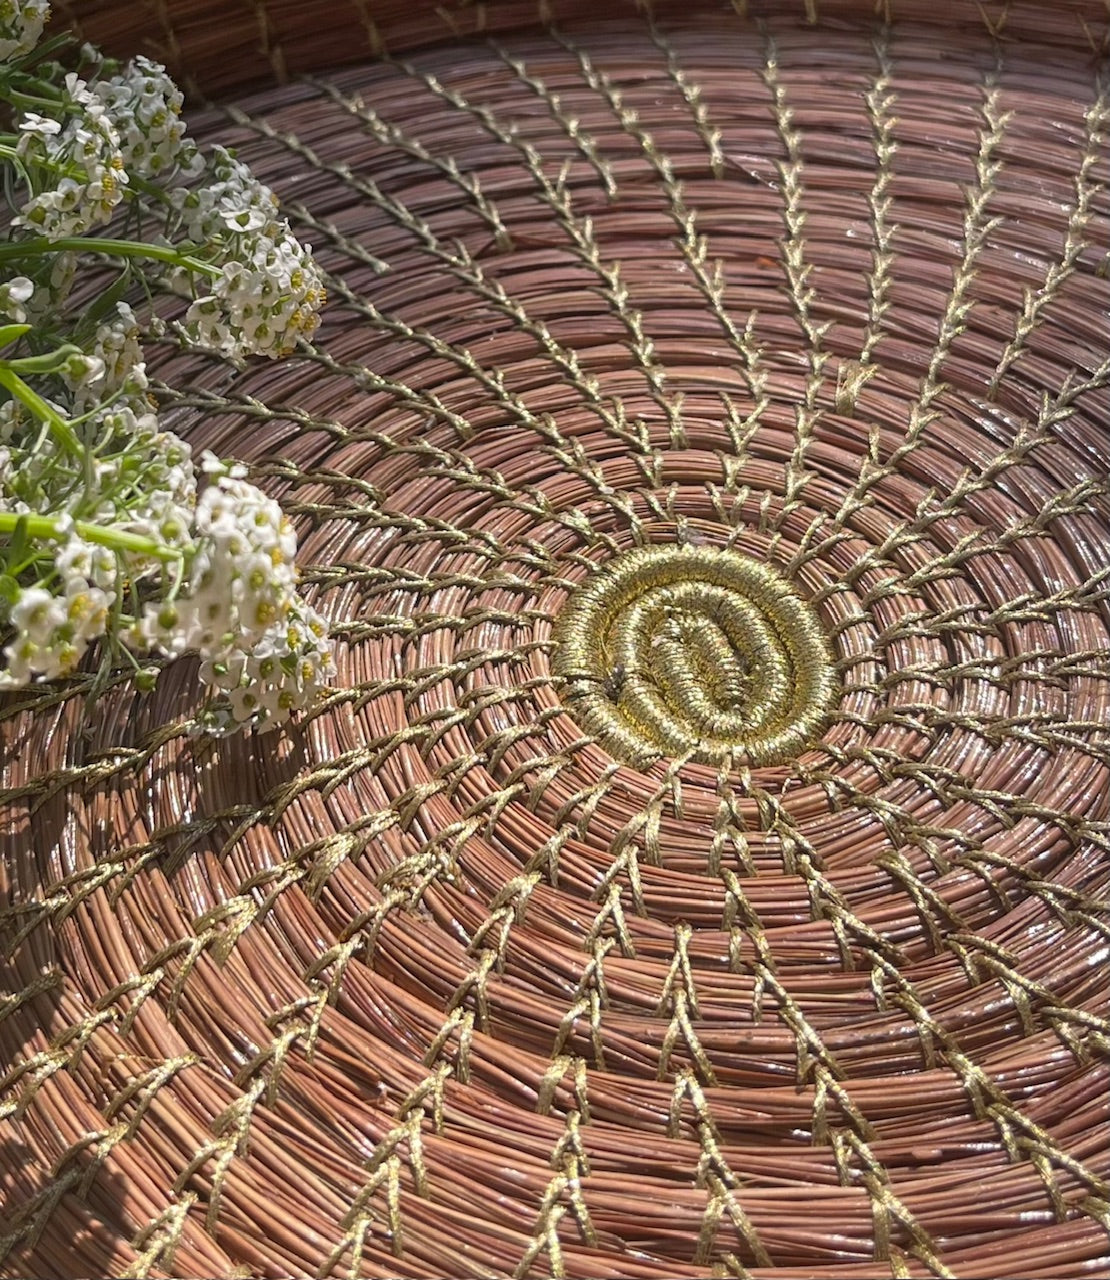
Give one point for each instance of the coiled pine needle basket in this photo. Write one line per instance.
(701, 868)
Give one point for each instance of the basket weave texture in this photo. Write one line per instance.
(701, 867)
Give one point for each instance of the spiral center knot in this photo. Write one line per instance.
(694, 651)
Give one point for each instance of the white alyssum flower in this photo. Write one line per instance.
(232, 200)
(79, 160)
(78, 561)
(151, 483)
(35, 618)
(260, 305)
(128, 539)
(270, 289)
(232, 597)
(52, 276)
(116, 366)
(241, 579)
(264, 650)
(281, 673)
(21, 24)
(139, 478)
(144, 106)
(14, 294)
(53, 630)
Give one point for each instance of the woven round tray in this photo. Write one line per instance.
(700, 867)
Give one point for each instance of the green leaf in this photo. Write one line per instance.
(60, 427)
(105, 304)
(12, 333)
(46, 49)
(18, 541)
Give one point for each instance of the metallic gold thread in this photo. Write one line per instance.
(697, 652)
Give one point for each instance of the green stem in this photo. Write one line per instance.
(61, 428)
(55, 529)
(135, 184)
(29, 101)
(30, 84)
(113, 248)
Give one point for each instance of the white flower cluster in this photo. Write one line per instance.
(261, 305)
(53, 630)
(53, 623)
(51, 279)
(233, 200)
(108, 529)
(264, 651)
(144, 106)
(112, 366)
(21, 24)
(142, 477)
(269, 291)
(102, 134)
(254, 288)
(259, 642)
(84, 148)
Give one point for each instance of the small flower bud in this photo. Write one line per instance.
(145, 679)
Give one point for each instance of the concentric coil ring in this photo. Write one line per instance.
(694, 652)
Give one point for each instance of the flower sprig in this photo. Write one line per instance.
(110, 530)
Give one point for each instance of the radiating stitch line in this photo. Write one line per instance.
(692, 245)
(1035, 302)
(581, 234)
